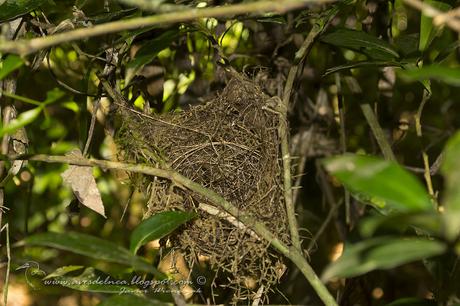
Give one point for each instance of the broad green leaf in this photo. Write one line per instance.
(131, 300)
(90, 280)
(363, 42)
(382, 181)
(429, 222)
(148, 52)
(11, 9)
(157, 227)
(427, 31)
(413, 302)
(93, 247)
(381, 253)
(10, 64)
(451, 171)
(449, 75)
(22, 120)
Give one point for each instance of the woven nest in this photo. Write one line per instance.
(229, 145)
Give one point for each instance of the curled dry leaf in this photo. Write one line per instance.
(83, 184)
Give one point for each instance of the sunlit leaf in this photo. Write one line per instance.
(10, 64)
(91, 246)
(451, 171)
(381, 253)
(383, 181)
(53, 95)
(427, 31)
(11, 9)
(22, 120)
(71, 105)
(157, 227)
(362, 42)
(449, 75)
(148, 52)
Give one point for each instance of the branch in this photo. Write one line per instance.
(318, 27)
(259, 228)
(24, 46)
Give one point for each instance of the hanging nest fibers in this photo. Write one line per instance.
(231, 146)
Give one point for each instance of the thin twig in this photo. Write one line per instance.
(301, 54)
(25, 46)
(248, 220)
(333, 205)
(343, 141)
(8, 264)
(92, 125)
(418, 129)
(378, 132)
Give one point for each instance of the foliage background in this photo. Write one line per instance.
(387, 61)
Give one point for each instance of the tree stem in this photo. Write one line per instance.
(249, 221)
(26, 46)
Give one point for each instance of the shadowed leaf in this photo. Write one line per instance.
(10, 64)
(381, 253)
(93, 247)
(361, 42)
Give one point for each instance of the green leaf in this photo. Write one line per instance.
(360, 41)
(10, 64)
(382, 181)
(449, 75)
(131, 300)
(22, 120)
(427, 31)
(157, 227)
(53, 95)
(148, 52)
(93, 247)
(429, 222)
(90, 280)
(451, 171)
(381, 253)
(63, 271)
(11, 9)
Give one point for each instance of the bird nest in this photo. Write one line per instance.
(230, 145)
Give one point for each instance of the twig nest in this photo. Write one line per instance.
(229, 145)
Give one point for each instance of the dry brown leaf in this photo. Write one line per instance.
(83, 184)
